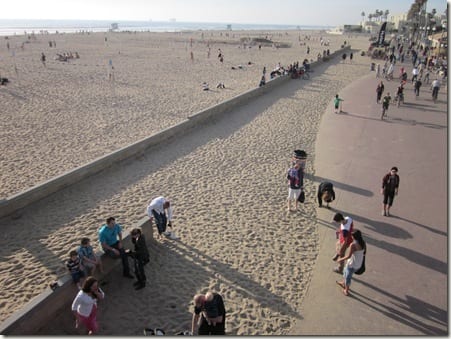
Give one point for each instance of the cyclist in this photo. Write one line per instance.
(385, 104)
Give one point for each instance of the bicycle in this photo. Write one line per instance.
(384, 111)
(303, 74)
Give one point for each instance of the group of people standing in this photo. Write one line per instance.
(209, 310)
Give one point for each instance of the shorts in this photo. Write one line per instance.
(293, 193)
(388, 198)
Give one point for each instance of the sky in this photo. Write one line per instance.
(286, 12)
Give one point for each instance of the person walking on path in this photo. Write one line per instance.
(435, 88)
(209, 314)
(84, 305)
(325, 192)
(379, 91)
(417, 86)
(390, 185)
(337, 104)
(354, 260)
(110, 237)
(344, 235)
(161, 210)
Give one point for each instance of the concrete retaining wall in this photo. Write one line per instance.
(42, 309)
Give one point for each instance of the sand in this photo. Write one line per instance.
(226, 180)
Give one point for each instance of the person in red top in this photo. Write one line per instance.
(344, 235)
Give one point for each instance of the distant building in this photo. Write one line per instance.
(114, 27)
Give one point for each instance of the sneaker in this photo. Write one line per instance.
(387, 214)
(128, 275)
(335, 257)
(167, 233)
(383, 213)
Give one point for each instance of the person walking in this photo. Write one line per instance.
(390, 185)
(344, 237)
(84, 305)
(417, 86)
(209, 314)
(337, 104)
(379, 91)
(354, 260)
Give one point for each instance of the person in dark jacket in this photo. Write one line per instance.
(140, 257)
(390, 184)
(325, 192)
(209, 314)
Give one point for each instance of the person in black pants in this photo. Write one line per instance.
(325, 192)
(140, 257)
(211, 311)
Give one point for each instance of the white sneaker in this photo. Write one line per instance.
(173, 236)
(167, 233)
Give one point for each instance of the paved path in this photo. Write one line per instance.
(404, 289)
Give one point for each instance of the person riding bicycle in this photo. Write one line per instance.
(386, 102)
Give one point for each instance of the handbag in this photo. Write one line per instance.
(301, 197)
(361, 270)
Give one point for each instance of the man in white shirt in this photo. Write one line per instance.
(160, 208)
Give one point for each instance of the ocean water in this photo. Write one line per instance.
(21, 27)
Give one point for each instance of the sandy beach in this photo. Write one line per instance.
(226, 180)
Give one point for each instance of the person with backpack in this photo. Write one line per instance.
(354, 260)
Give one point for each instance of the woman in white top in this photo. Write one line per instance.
(354, 260)
(84, 305)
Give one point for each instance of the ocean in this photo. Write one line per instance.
(21, 27)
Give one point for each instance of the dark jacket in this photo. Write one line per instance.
(390, 184)
(141, 252)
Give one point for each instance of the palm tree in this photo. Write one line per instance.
(363, 18)
(386, 13)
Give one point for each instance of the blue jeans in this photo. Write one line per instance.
(161, 220)
(347, 275)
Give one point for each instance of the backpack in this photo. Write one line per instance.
(361, 270)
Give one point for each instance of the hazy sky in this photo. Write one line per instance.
(292, 12)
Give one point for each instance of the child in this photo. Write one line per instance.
(87, 257)
(337, 103)
(295, 178)
(75, 268)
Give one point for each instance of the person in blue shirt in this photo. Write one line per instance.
(110, 237)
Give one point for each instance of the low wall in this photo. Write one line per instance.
(42, 309)
(15, 202)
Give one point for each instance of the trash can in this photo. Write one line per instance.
(373, 66)
(300, 157)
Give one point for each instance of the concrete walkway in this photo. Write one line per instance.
(404, 290)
